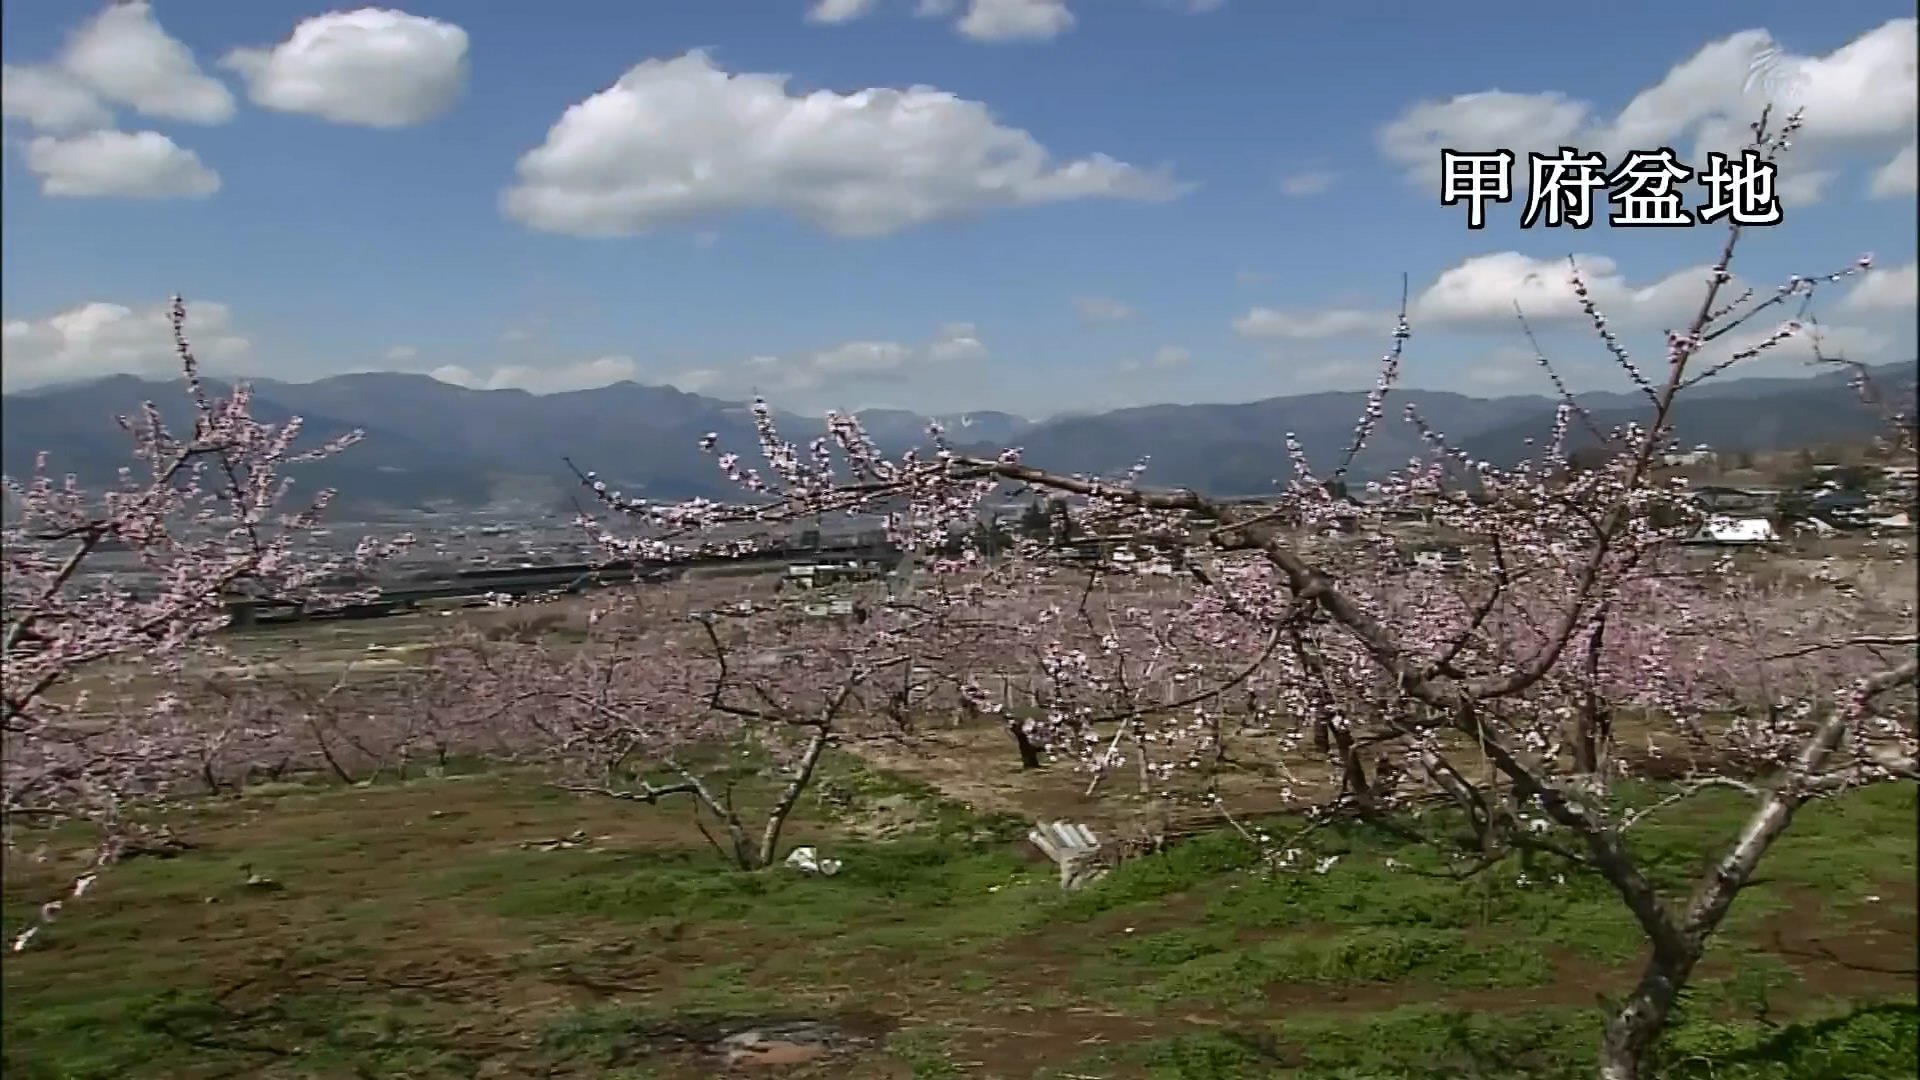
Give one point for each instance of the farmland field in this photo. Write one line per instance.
(486, 925)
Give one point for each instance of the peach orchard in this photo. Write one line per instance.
(1573, 643)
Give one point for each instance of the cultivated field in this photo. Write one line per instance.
(451, 919)
(485, 925)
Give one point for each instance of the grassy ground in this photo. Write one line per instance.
(424, 930)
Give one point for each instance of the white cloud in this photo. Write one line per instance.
(585, 375)
(697, 380)
(125, 57)
(1862, 95)
(1308, 376)
(1895, 288)
(97, 339)
(1101, 309)
(1897, 177)
(122, 57)
(1847, 342)
(682, 140)
(1481, 292)
(1484, 120)
(1264, 322)
(1308, 183)
(403, 354)
(956, 342)
(1796, 354)
(1863, 90)
(852, 359)
(1510, 371)
(50, 99)
(1804, 187)
(1015, 20)
(835, 12)
(853, 362)
(372, 67)
(119, 164)
(1165, 358)
(952, 347)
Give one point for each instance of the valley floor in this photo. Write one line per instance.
(488, 926)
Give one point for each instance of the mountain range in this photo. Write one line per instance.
(433, 444)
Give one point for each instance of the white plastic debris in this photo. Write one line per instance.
(1074, 848)
(807, 860)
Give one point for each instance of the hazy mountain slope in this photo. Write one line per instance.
(1241, 449)
(1735, 415)
(429, 442)
(76, 427)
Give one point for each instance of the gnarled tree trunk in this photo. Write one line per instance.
(1638, 1023)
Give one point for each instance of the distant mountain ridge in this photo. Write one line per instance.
(431, 443)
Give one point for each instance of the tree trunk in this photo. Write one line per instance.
(1143, 768)
(1593, 734)
(1637, 1024)
(1678, 942)
(1642, 1018)
(1353, 774)
(1029, 753)
(802, 776)
(325, 747)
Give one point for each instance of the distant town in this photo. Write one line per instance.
(476, 558)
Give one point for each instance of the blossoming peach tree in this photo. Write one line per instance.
(194, 518)
(682, 693)
(1511, 683)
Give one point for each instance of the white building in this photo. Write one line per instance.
(1726, 530)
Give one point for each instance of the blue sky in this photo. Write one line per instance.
(1243, 206)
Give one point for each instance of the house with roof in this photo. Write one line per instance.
(1699, 455)
(1717, 499)
(1840, 506)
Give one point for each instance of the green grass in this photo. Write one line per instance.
(1235, 976)
(417, 935)
(1870, 1042)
